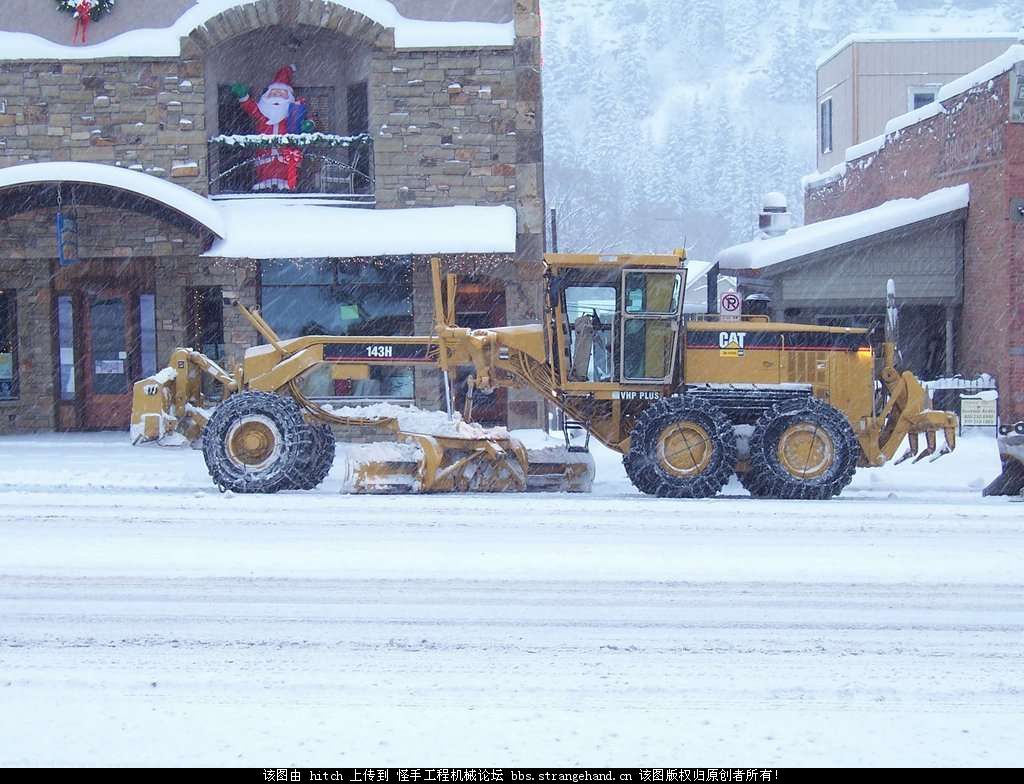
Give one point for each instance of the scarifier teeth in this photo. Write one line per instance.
(911, 450)
(942, 452)
(930, 438)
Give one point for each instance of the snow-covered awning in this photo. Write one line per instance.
(294, 228)
(101, 177)
(166, 41)
(266, 228)
(814, 237)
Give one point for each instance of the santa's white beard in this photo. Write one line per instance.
(274, 109)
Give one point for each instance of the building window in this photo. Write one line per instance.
(826, 126)
(921, 95)
(326, 297)
(8, 345)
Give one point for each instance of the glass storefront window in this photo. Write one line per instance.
(322, 297)
(66, 338)
(8, 345)
(147, 333)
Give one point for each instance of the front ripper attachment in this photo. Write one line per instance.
(169, 407)
(1011, 453)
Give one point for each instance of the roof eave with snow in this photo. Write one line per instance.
(761, 255)
(151, 43)
(884, 38)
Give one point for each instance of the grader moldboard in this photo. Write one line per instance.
(793, 409)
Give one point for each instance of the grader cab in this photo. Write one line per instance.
(792, 409)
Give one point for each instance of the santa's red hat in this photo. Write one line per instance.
(283, 80)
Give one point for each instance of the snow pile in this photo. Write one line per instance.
(166, 41)
(253, 230)
(838, 231)
(416, 420)
(984, 381)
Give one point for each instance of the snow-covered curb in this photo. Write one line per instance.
(166, 41)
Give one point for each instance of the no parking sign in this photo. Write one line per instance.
(730, 306)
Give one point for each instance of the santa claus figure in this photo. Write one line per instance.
(276, 113)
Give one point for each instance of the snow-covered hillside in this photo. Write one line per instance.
(667, 120)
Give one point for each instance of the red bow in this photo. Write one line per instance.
(83, 14)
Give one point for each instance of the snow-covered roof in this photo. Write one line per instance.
(839, 231)
(297, 227)
(292, 228)
(166, 41)
(167, 193)
(979, 76)
(881, 38)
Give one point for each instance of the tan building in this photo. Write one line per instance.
(138, 150)
(867, 79)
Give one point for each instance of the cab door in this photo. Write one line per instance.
(652, 301)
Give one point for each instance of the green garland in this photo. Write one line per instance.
(257, 140)
(100, 8)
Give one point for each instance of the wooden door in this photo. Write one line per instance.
(110, 357)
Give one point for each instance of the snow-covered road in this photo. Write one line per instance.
(147, 619)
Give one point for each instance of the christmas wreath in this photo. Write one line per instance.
(84, 12)
(97, 8)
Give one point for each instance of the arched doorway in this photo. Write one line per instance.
(79, 279)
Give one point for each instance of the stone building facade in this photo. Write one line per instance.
(445, 108)
(973, 135)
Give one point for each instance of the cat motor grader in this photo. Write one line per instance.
(792, 409)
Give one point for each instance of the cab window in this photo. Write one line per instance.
(590, 312)
(652, 292)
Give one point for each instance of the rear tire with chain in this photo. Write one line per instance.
(257, 442)
(681, 447)
(801, 449)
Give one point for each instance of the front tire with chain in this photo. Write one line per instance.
(321, 457)
(801, 449)
(681, 447)
(257, 442)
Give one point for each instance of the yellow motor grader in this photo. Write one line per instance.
(792, 409)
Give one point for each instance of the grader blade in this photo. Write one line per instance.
(557, 470)
(1011, 453)
(437, 464)
(441, 464)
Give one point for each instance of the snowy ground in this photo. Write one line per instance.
(146, 619)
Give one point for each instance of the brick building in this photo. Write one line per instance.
(132, 151)
(973, 136)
